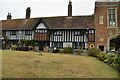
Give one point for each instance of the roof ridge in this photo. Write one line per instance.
(50, 17)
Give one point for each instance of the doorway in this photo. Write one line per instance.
(115, 42)
(101, 48)
(42, 44)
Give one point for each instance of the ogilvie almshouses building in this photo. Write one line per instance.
(100, 30)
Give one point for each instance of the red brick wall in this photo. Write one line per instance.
(102, 31)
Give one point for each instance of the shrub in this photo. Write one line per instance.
(22, 49)
(56, 51)
(68, 50)
(117, 60)
(112, 48)
(80, 50)
(28, 42)
(111, 58)
(93, 52)
(19, 44)
(102, 56)
(30, 47)
(14, 47)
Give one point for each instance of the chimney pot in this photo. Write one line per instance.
(9, 16)
(28, 11)
(70, 9)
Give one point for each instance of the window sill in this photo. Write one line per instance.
(28, 34)
(12, 34)
(112, 27)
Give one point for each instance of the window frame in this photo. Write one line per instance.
(13, 33)
(108, 22)
(78, 33)
(58, 33)
(41, 31)
(91, 31)
(28, 32)
(58, 44)
(77, 45)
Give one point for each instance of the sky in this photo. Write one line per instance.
(44, 8)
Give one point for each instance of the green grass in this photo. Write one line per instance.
(18, 64)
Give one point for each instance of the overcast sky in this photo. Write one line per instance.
(44, 8)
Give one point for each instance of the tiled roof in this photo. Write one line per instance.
(75, 22)
(22, 24)
(63, 22)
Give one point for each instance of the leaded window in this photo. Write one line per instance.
(78, 33)
(12, 32)
(91, 31)
(112, 17)
(28, 32)
(58, 44)
(41, 31)
(78, 45)
(58, 33)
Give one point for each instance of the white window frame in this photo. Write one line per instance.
(13, 33)
(28, 32)
(115, 18)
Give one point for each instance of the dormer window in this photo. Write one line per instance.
(41, 31)
(112, 17)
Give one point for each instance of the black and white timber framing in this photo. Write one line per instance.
(59, 38)
(71, 37)
(19, 35)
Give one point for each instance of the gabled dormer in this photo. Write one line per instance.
(41, 26)
(41, 31)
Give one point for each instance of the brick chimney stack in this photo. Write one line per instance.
(28, 11)
(70, 9)
(9, 16)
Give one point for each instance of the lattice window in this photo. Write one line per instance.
(112, 17)
(13, 33)
(28, 32)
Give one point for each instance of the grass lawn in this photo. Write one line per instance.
(18, 64)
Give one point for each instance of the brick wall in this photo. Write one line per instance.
(103, 32)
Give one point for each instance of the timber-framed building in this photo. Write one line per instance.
(100, 30)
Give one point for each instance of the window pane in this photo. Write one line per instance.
(112, 17)
(113, 11)
(58, 44)
(58, 33)
(91, 31)
(78, 33)
(28, 32)
(13, 33)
